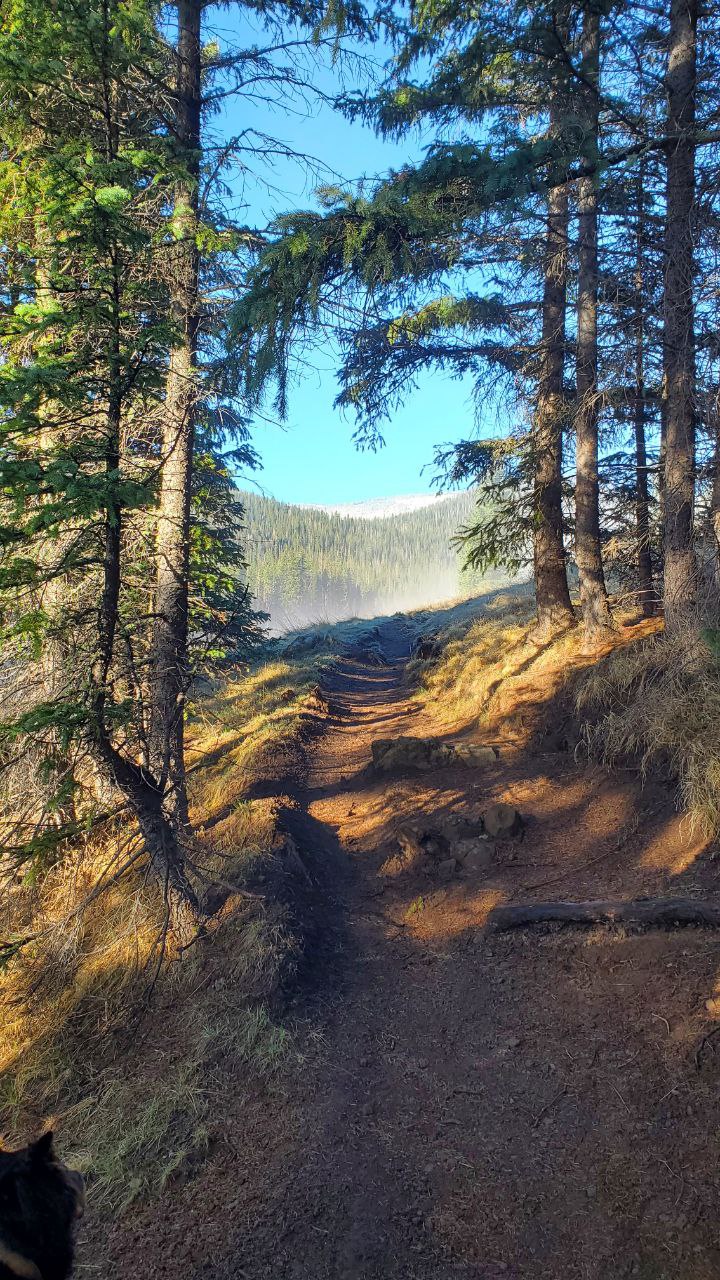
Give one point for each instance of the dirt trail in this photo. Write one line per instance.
(469, 1105)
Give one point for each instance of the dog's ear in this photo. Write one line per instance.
(41, 1152)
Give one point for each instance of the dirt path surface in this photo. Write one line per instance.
(468, 1104)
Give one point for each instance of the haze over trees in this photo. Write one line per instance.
(556, 245)
(306, 565)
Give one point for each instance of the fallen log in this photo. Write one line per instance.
(642, 913)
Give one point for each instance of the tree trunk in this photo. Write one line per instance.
(143, 792)
(678, 346)
(159, 835)
(170, 641)
(597, 619)
(642, 913)
(662, 455)
(53, 593)
(554, 609)
(646, 591)
(715, 499)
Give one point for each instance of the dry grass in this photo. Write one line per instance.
(135, 1094)
(480, 658)
(657, 703)
(137, 1099)
(647, 699)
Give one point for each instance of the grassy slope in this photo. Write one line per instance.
(646, 699)
(135, 1097)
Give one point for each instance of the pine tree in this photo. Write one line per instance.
(588, 550)
(679, 590)
(86, 331)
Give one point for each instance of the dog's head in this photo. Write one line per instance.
(40, 1202)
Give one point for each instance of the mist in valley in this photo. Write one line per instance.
(309, 565)
(330, 607)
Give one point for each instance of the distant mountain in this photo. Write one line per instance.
(380, 508)
(307, 564)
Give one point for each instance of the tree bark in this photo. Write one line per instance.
(715, 498)
(597, 619)
(170, 642)
(646, 913)
(554, 608)
(646, 591)
(679, 591)
(144, 798)
(143, 792)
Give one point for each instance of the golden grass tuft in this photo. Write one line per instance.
(243, 732)
(479, 662)
(657, 703)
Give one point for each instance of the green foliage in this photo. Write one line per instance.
(87, 176)
(307, 565)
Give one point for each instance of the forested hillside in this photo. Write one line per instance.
(307, 565)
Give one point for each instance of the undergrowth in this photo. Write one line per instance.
(650, 700)
(657, 703)
(129, 1053)
(132, 1059)
(475, 657)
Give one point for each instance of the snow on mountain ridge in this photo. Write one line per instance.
(379, 508)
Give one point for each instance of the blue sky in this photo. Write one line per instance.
(311, 457)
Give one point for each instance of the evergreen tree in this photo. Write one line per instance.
(472, 211)
(679, 337)
(87, 326)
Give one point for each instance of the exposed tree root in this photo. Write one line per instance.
(644, 913)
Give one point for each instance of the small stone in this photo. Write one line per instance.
(591, 1192)
(475, 855)
(476, 755)
(502, 820)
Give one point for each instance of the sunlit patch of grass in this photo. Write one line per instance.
(657, 702)
(247, 730)
(475, 660)
(133, 1112)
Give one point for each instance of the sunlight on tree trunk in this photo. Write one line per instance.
(554, 609)
(170, 655)
(597, 620)
(679, 342)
